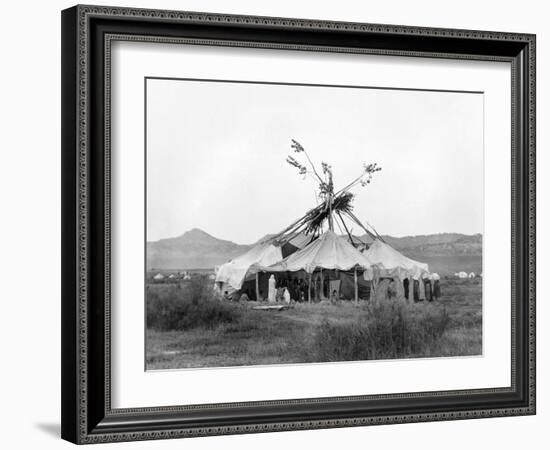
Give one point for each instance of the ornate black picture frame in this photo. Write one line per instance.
(87, 34)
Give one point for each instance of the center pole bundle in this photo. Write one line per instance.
(332, 202)
(332, 206)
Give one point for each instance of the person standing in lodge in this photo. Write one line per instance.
(295, 290)
(421, 292)
(286, 296)
(272, 292)
(391, 292)
(406, 287)
(428, 288)
(301, 290)
(416, 286)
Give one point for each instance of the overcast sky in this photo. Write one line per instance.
(216, 157)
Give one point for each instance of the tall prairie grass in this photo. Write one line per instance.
(386, 330)
(191, 305)
(219, 334)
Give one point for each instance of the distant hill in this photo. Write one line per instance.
(196, 249)
(438, 244)
(445, 253)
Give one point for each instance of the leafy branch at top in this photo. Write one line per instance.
(334, 205)
(326, 185)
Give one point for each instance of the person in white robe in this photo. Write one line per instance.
(286, 296)
(272, 289)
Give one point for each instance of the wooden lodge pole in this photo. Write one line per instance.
(309, 289)
(356, 288)
(257, 286)
(322, 290)
(315, 298)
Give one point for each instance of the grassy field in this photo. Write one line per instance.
(319, 332)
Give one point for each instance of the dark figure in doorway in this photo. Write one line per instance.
(303, 290)
(428, 289)
(416, 290)
(391, 292)
(295, 292)
(406, 287)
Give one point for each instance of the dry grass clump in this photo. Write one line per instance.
(182, 307)
(386, 330)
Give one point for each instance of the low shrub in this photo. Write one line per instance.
(385, 330)
(182, 307)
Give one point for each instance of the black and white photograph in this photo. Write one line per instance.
(301, 223)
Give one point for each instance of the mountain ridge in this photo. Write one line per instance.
(196, 248)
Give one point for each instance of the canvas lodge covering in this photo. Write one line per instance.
(330, 251)
(389, 263)
(234, 271)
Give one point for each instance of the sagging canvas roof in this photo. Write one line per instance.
(263, 254)
(330, 251)
(390, 263)
(234, 271)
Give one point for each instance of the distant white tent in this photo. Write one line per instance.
(389, 263)
(158, 276)
(471, 275)
(462, 275)
(234, 271)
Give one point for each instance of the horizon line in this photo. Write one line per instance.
(354, 234)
